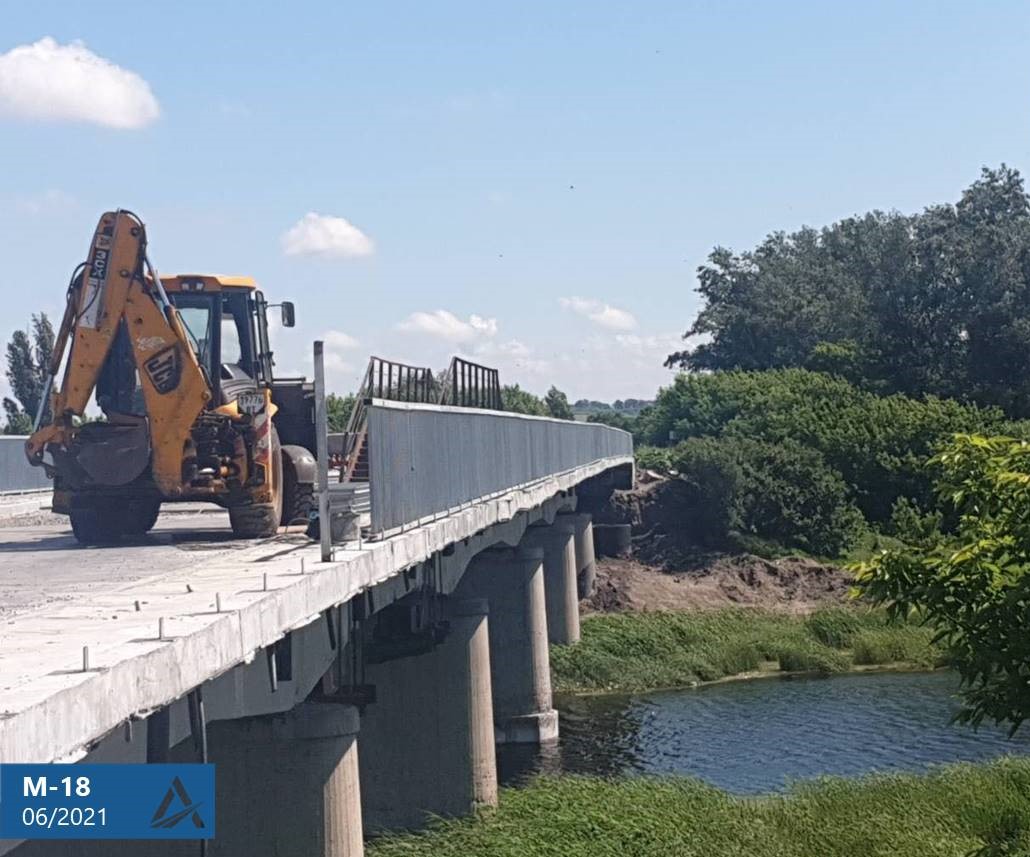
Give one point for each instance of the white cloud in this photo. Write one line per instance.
(511, 348)
(52, 82)
(600, 313)
(325, 235)
(650, 346)
(337, 340)
(510, 357)
(447, 326)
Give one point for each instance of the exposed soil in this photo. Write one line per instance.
(791, 584)
(669, 571)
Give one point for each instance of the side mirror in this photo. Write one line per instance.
(289, 317)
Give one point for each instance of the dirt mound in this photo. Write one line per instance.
(670, 571)
(791, 584)
(658, 511)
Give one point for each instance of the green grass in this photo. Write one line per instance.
(644, 651)
(951, 812)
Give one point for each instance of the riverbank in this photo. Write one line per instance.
(952, 812)
(647, 651)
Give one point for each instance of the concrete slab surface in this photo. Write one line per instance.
(60, 599)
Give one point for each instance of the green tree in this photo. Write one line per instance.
(933, 303)
(28, 356)
(338, 410)
(616, 419)
(972, 584)
(520, 401)
(878, 444)
(557, 404)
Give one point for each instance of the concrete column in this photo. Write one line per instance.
(288, 784)
(427, 743)
(586, 570)
(561, 590)
(520, 671)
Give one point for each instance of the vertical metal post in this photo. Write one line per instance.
(322, 452)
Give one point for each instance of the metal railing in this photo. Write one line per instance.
(470, 385)
(428, 460)
(384, 379)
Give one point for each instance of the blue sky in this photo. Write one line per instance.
(487, 161)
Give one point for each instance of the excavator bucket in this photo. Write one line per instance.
(116, 312)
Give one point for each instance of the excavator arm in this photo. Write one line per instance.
(114, 292)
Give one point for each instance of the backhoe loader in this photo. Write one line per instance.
(189, 407)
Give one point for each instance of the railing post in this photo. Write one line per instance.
(322, 451)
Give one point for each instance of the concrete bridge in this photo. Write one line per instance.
(339, 697)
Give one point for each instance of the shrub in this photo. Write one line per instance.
(877, 444)
(782, 493)
(812, 659)
(909, 644)
(912, 526)
(711, 474)
(837, 626)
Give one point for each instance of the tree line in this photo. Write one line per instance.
(936, 302)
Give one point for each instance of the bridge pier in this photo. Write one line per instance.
(586, 569)
(285, 784)
(288, 783)
(561, 589)
(513, 583)
(427, 742)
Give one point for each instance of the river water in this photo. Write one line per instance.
(755, 736)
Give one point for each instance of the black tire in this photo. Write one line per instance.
(298, 497)
(140, 516)
(95, 523)
(261, 520)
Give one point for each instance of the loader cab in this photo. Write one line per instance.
(227, 321)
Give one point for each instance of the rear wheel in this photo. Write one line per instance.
(261, 520)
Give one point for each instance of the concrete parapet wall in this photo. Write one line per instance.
(16, 474)
(428, 460)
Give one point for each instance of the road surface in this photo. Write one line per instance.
(42, 564)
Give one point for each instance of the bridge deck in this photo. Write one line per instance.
(58, 599)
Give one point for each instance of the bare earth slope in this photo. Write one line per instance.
(668, 572)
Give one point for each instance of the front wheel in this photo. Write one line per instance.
(261, 520)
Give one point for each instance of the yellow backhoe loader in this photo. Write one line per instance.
(182, 372)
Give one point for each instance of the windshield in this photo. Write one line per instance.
(197, 321)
